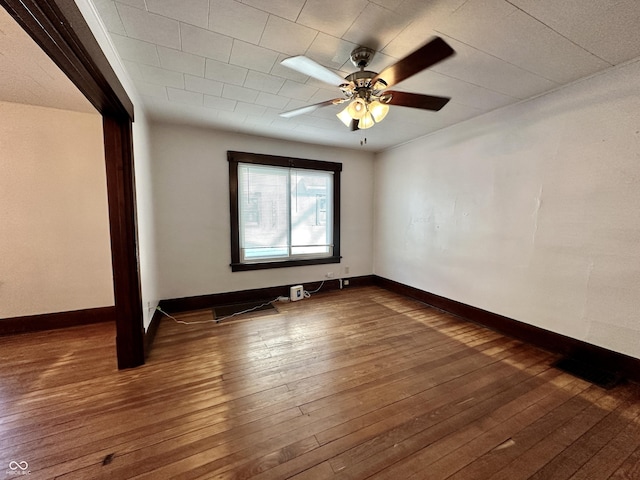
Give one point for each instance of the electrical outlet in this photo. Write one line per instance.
(346, 282)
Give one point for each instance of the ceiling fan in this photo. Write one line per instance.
(366, 91)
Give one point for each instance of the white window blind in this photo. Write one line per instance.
(284, 213)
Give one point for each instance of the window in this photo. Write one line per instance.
(284, 211)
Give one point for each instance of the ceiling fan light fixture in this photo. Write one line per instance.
(378, 110)
(366, 113)
(366, 121)
(357, 109)
(366, 91)
(345, 117)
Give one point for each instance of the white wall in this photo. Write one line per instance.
(142, 165)
(531, 211)
(55, 253)
(191, 188)
(146, 216)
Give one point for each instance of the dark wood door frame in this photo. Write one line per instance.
(59, 28)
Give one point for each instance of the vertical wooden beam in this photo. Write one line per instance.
(124, 248)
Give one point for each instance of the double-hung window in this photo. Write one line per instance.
(284, 211)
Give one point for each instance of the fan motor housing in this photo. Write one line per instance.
(362, 79)
(362, 56)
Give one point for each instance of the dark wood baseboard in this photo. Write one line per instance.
(187, 304)
(150, 333)
(50, 321)
(586, 353)
(362, 281)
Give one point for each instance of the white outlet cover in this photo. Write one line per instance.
(296, 293)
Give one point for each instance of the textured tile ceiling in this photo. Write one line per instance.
(29, 76)
(217, 62)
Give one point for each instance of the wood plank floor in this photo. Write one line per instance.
(351, 384)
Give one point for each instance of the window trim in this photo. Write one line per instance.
(234, 158)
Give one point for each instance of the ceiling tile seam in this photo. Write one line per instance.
(263, 30)
(261, 91)
(281, 18)
(315, 37)
(151, 44)
(397, 35)
(285, 78)
(300, 12)
(233, 43)
(151, 12)
(169, 69)
(350, 25)
(558, 33)
(259, 46)
(121, 22)
(473, 47)
(381, 49)
(297, 99)
(207, 30)
(145, 9)
(241, 86)
(459, 7)
(479, 86)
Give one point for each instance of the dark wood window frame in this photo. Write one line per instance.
(234, 158)
(59, 28)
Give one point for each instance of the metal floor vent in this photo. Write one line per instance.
(588, 372)
(228, 310)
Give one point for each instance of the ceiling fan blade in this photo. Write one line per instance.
(312, 108)
(415, 100)
(307, 66)
(354, 125)
(427, 55)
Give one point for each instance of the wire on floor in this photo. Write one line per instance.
(218, 320)
(307, 294)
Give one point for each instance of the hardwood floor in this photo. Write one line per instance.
(350, 384)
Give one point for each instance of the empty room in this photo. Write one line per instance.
(320, 239)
